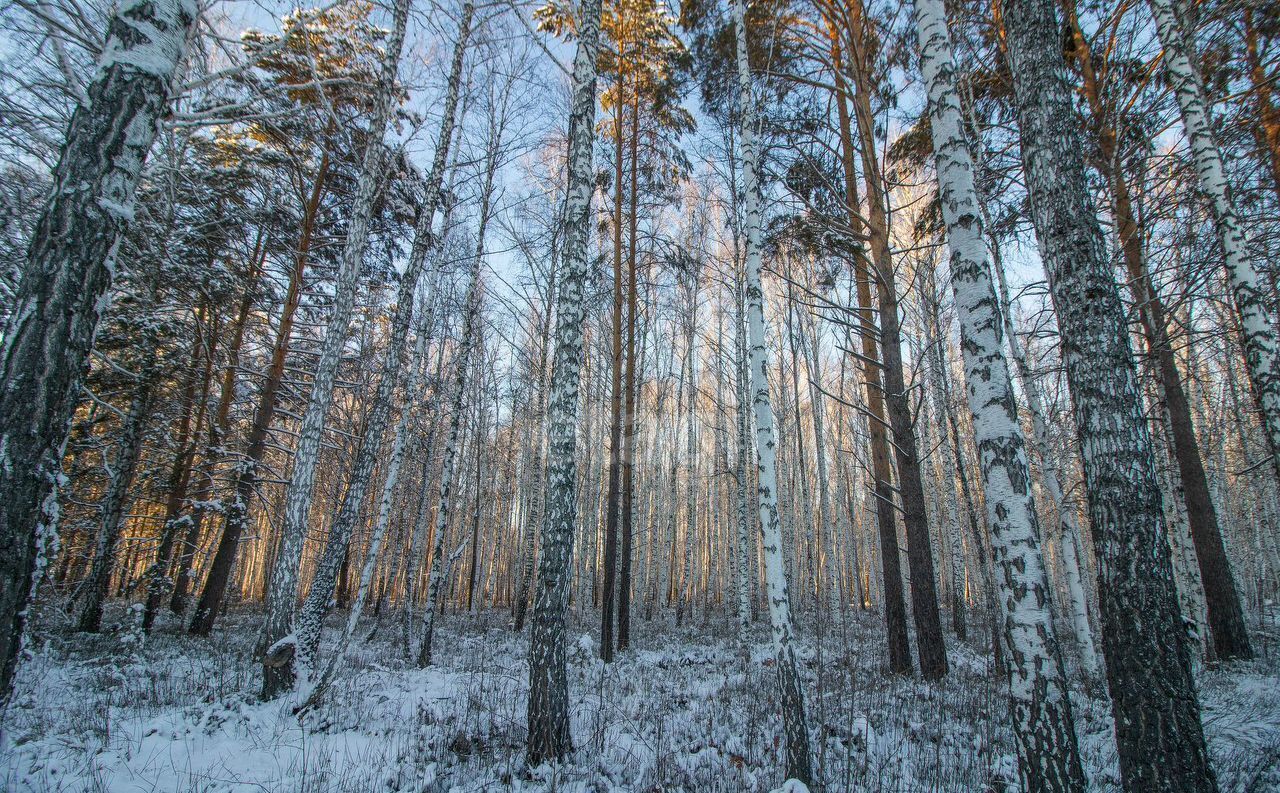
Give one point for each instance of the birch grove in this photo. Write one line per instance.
(846, 395)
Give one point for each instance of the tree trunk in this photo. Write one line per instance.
(1049, 757)
(68, 269)
(123, 467)
(461, 362)
(895, 609)
(548, 709)
(1158, 733)
(193, 410)
(283, 584)
(1257, 322)
(789, 685)
(236, 515)
(627, 506)
(336, 547)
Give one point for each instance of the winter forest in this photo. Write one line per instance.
(615, 395)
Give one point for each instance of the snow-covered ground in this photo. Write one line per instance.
(680, 712)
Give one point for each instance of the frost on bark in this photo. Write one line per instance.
(1049, 757)
(282, 588)
(779, 599)
(325, 579)
(1157, 716)
(745, 457)
(1257, 322)
(936, 353)
(548, 710)
(67, 273)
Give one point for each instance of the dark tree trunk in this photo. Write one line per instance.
(1157, 715)
(895, 609)
(68, 269)
(1226, 617)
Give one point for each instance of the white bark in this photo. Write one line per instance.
(66, 277)
(1041, 709)
(282, 590)
(336, 548)
(779, 599)
(1068, 528)
(1257, 323)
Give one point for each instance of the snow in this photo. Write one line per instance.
(684, 711)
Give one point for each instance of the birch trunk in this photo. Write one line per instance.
(746, 453)
(789, 685)
(325, 579)
(1158, 732)
(548, 709)
(66, 276)
(1068, 527)
(1257, 322)
(283, 584)
(461, 363)
(1049, 757)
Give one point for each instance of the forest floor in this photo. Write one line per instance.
(683, 711)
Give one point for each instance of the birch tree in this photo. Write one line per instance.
(68, 269)
(547, 717)
(1257, 319)
(425, 238)
(779, 598)
(1157, 714)
(1049, 758)
(283, 584)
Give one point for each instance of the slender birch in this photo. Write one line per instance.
(793, 714)
(461, 364)
(1257, 321)
(282, 589)
(548, 709)
(425, 240)
(1049, 758)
